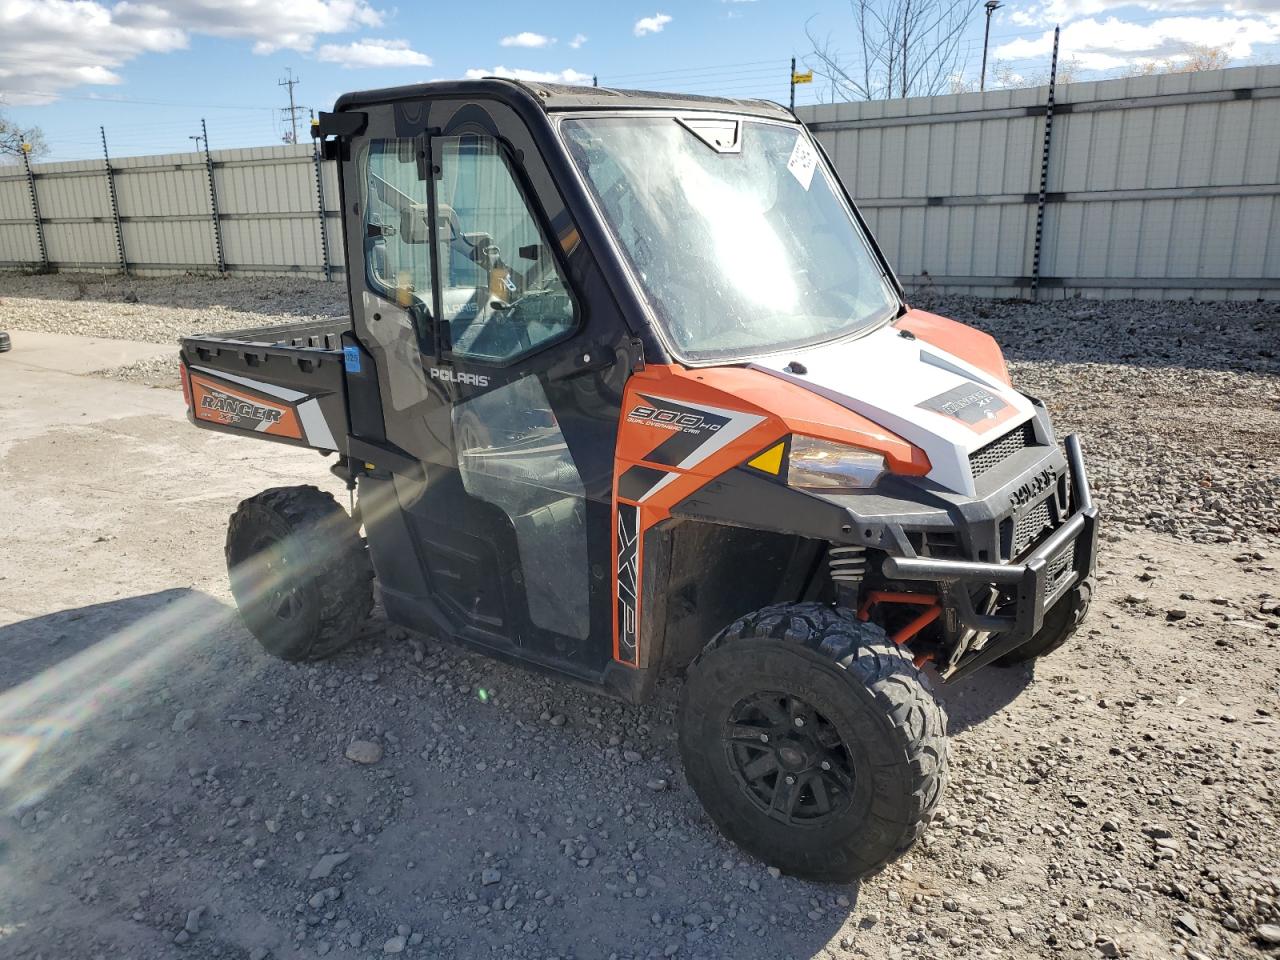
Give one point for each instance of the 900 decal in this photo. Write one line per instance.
(682, 418)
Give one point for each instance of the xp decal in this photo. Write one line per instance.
(627, 534)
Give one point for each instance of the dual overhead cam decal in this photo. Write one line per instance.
(258, 407)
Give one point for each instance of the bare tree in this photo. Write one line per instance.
(1002, 76)
(12, 137)
(1069, 71)
(1195, 59)
(902, 48)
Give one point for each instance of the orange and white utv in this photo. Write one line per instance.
(627, 391)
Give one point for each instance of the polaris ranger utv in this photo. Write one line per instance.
(628, 390)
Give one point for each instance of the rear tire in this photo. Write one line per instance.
(868, 764)
(1059, 624)
(300, 572)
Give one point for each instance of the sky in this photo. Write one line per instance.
(149, 71)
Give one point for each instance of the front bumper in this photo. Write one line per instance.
(1038, 581)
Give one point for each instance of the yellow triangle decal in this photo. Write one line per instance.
(770, 461)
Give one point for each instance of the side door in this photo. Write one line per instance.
(501, 355)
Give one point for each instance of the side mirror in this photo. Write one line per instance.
(413, 224)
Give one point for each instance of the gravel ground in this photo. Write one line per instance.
(171, 792)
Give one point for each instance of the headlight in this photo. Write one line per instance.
(825, 465)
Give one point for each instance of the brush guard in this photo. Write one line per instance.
(1037, 582)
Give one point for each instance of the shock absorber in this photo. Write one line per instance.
(848, 565)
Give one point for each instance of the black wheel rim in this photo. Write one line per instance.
(789, 759)
(277, 587)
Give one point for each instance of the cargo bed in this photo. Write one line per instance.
(283, 383)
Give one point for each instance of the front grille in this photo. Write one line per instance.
(1021, 532)
(997, 451)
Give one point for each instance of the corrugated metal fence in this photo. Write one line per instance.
(1161, 186)
(265, 206)
(1165, 186)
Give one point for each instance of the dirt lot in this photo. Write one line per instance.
(167, 791)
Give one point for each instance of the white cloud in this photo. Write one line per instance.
(578, 40)
(45, 47)
(527, 39)
(272, 24)
(373, 53)
(1113, 43)
(49, 45)
(652, 24)
(533, 76)
(1049, 12)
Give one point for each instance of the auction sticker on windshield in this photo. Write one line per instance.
(804, 160)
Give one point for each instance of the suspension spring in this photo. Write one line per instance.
(848, 565)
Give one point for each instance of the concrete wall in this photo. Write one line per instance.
(268, 213)
(1165, 186)
(1162, 186)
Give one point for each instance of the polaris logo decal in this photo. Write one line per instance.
(1035, 486)
(969, 403)
(451, 375)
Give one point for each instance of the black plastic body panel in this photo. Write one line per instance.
(295, 368)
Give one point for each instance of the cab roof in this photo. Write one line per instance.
(552, 97)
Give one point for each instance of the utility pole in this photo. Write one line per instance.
(292, 110)
(793, 84)
(992, 6)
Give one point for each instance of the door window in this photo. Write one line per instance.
(512, 454)
(501, 289)
(396, 254)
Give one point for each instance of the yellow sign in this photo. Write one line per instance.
(802, 77)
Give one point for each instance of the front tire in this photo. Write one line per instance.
(813, 741)
(300, 572)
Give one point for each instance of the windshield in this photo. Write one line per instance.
(734, 230)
